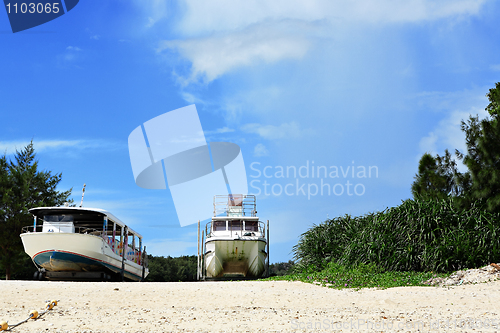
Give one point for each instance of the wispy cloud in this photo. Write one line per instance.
(448, 134)
(221, 130)
(260, 150)
(454, 100)
(455, 107)
(70, 57)
(214, 56)
(272, 132)
(218, 15)
(495, 68)
(10, 147)
(154, 10)
(220, 36)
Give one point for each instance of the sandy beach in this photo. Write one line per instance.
(248, 306)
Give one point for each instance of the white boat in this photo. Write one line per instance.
(83, 243)
(235, 245)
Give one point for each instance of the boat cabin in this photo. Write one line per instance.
(92, 221)
(235, 214)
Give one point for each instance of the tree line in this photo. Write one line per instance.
(183, 268)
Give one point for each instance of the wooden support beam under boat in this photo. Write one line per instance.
(113, 247)
(143, 262)
(267, 268)
(124, 250)
(198, 258)
(202, 245)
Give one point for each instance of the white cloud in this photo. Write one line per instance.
(151, 22)
(220, 36)
(214, 56)
(10, 147)
(272, 132)
(221, 15)
(448, 134)
(155, 10)
(428, 144)
(454, 100)
(191, 98)
(458, 106)
(71, 56)
(224, 130)
(221, 130)
(260, 150)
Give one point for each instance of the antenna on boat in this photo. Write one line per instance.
(83, 193)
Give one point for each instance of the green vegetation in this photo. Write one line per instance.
(419, 235)
(438, 178)
(183, 268)
(281, 268)
(22, 186)
(361, 276)
(170, 269)
(24, 268)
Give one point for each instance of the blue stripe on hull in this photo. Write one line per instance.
(64, 261)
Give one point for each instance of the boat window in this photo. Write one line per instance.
(235, 225)
(58, 218)
(220, 226)
(251, 226)
(58, 223)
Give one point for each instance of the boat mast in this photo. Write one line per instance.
(83, 193)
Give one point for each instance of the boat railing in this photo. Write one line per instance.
(235, 227)
(235, 205)
(131, 254)
(78, 230)
(31, 228)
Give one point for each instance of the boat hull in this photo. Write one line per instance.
(228, 258)
(71, 252)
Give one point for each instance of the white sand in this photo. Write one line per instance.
(247, 307)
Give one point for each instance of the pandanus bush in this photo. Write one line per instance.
(418, 235)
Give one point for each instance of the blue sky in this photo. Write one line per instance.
(335, 84)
